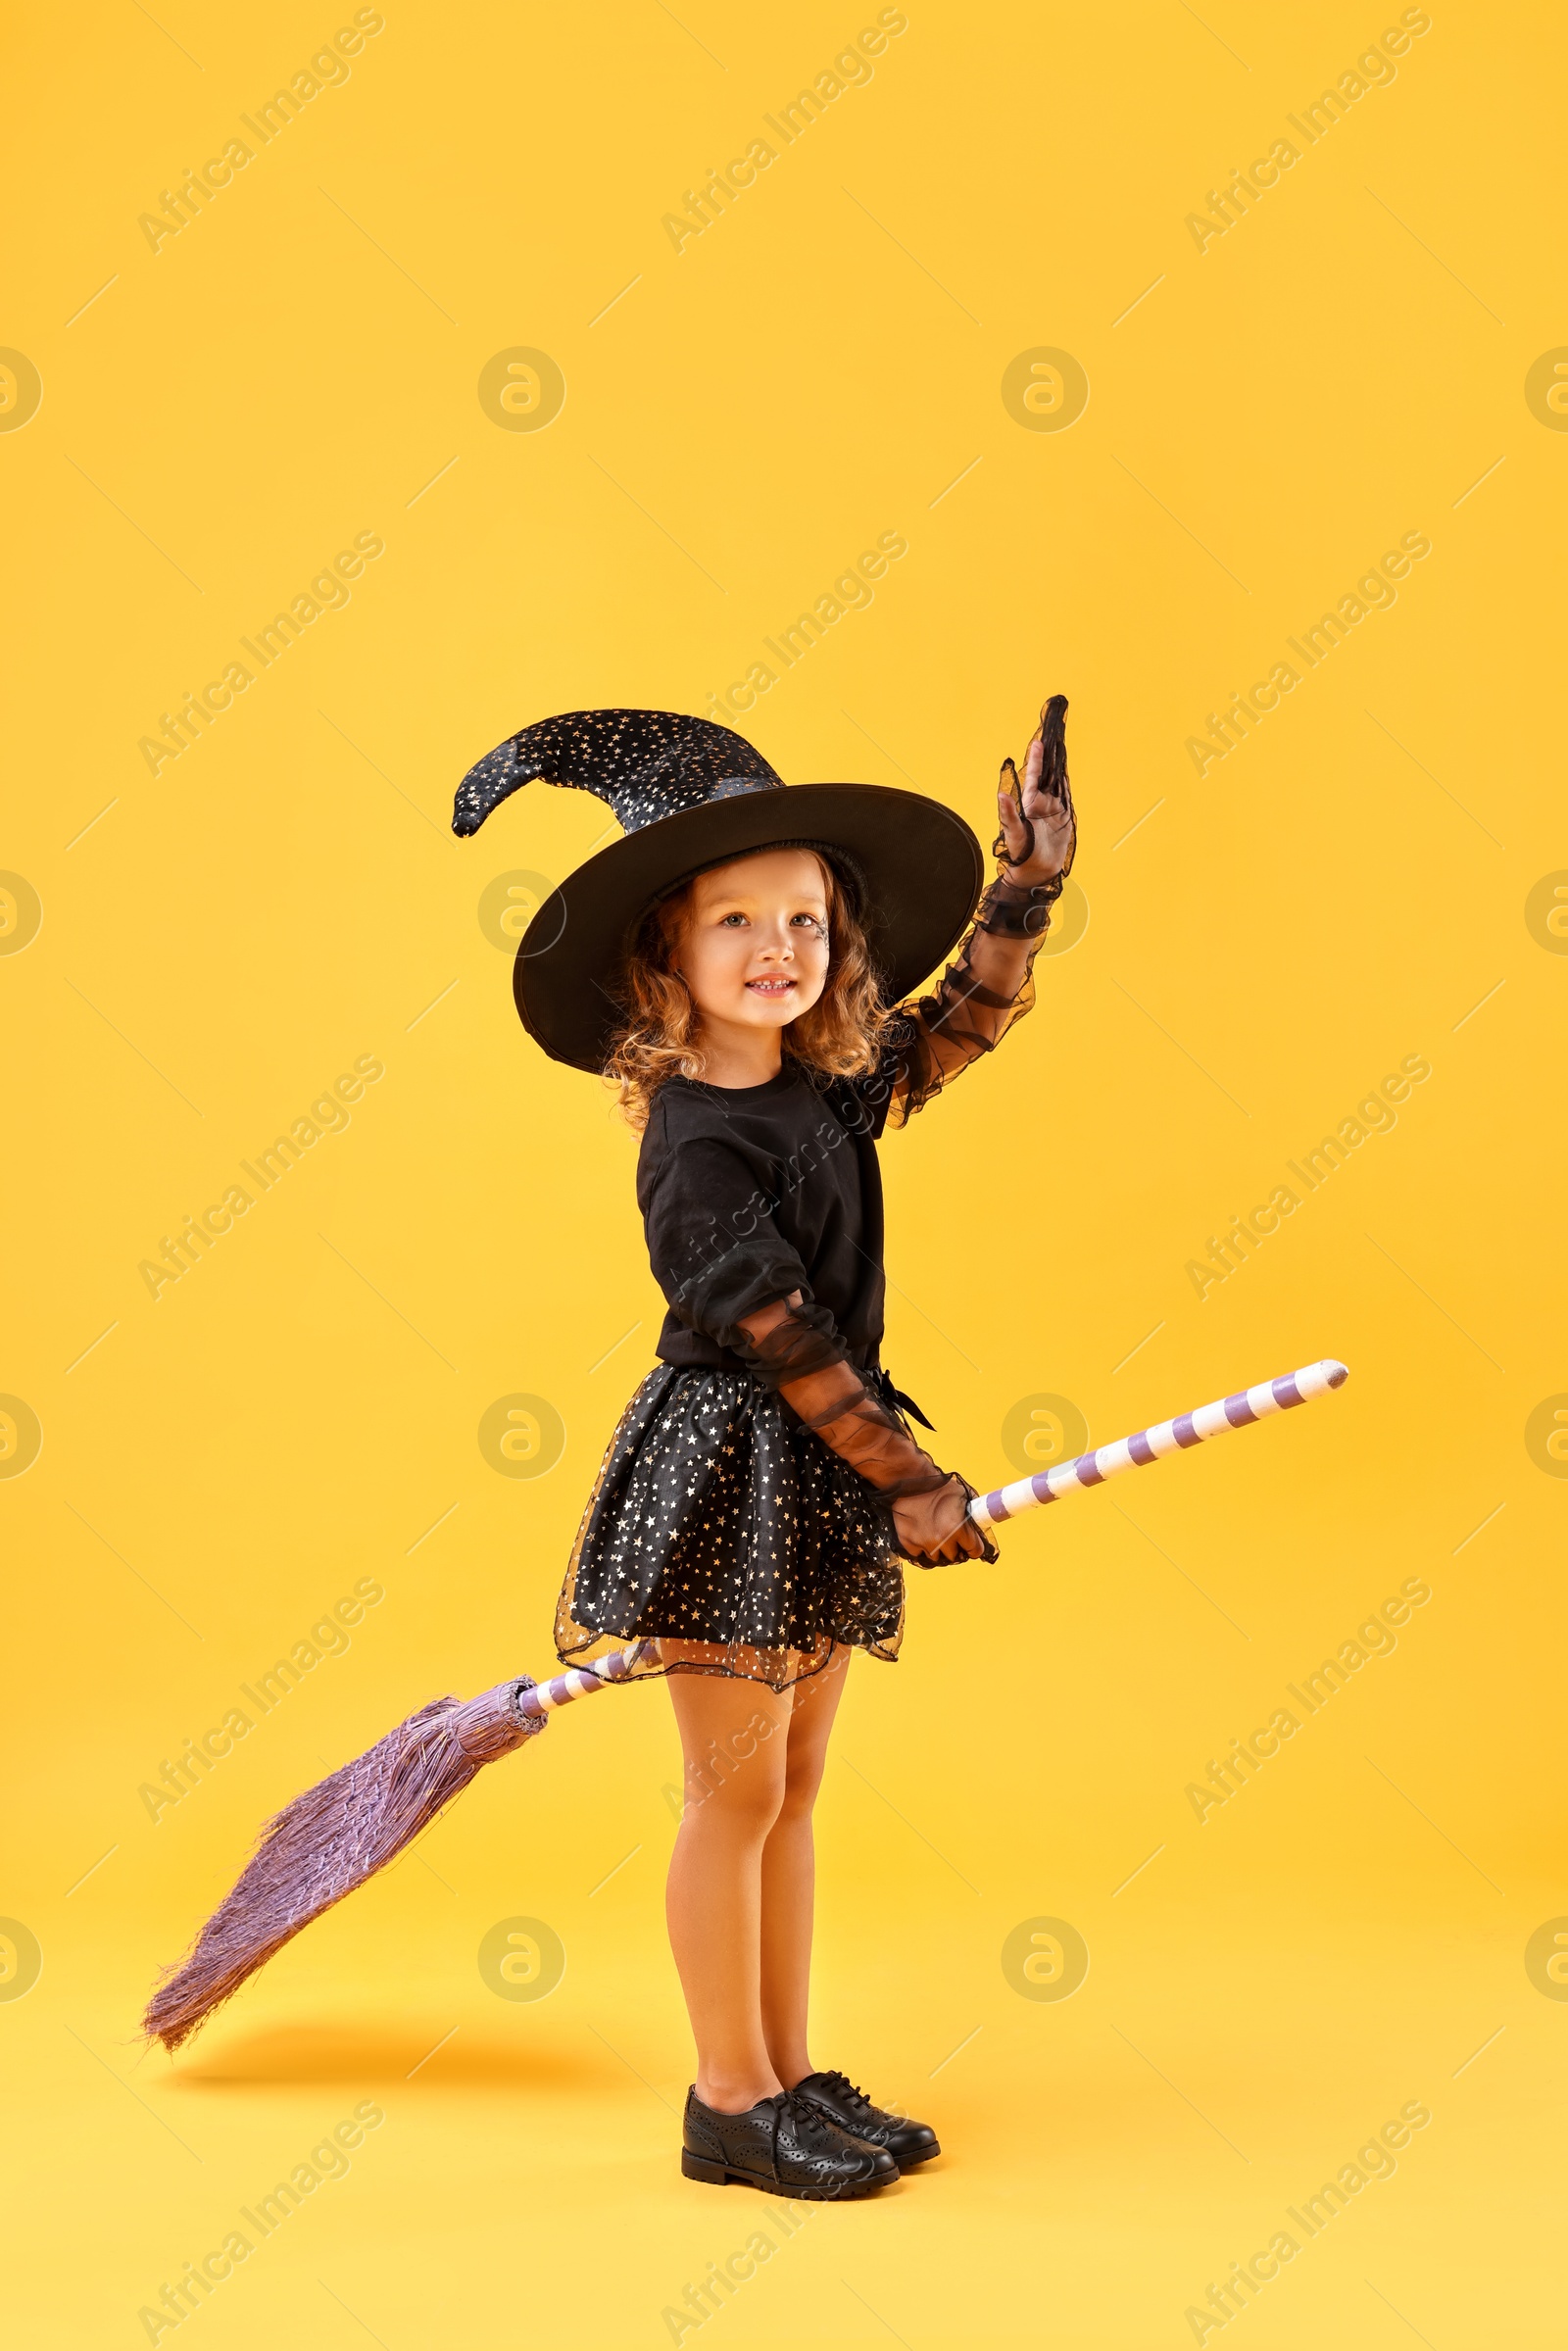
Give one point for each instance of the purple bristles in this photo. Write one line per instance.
(328, 1841)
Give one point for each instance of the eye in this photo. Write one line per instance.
(814, 921)
(725, 919)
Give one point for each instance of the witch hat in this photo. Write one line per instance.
(689, 794)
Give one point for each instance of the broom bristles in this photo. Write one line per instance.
(333, 1837)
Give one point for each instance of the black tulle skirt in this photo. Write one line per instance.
(724, 1528)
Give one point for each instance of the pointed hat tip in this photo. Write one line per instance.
(488, 782)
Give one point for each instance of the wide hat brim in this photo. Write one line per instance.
(922, 866)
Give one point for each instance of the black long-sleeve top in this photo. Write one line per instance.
(751, 1192)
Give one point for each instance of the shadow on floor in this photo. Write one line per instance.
(391, 2056)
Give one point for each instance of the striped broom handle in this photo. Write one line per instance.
(581, 1681)
(1152, 1444)
(989, 1510)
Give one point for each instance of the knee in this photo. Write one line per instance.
(798, 1795)
(743, 1795)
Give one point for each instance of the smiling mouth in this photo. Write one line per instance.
(771, 987)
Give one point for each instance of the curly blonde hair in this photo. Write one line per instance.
(839, 1036)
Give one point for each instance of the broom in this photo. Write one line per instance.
(338, 1833)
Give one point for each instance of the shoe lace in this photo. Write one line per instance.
(810, 2125)
(850, 2092)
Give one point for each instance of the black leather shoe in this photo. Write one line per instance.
(786, 2145)
(836, 2096)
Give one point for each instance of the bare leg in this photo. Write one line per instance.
(734, 1735)
(789, 1873)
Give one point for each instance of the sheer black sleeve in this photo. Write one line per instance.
(793, 1356)
(984, 991)
(990, 984)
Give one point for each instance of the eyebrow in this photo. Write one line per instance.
(733, 900)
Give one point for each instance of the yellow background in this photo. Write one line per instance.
(1265, 417)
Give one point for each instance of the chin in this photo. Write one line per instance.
(775, 1012)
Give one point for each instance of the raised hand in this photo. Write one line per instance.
(1038, 828)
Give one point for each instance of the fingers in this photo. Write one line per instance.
(964, 1540)
(1053, 738)
(1042, 795)
(1015, 831)
(1025, 791)
(1024, 805)
(963, 1543)
(929, 1543)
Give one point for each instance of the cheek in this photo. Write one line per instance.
(813, 957)
(710, 959)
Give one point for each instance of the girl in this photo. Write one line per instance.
(728, 966)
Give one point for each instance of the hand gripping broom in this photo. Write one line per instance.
(338, 1833)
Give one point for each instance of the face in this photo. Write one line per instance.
(755, 949)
